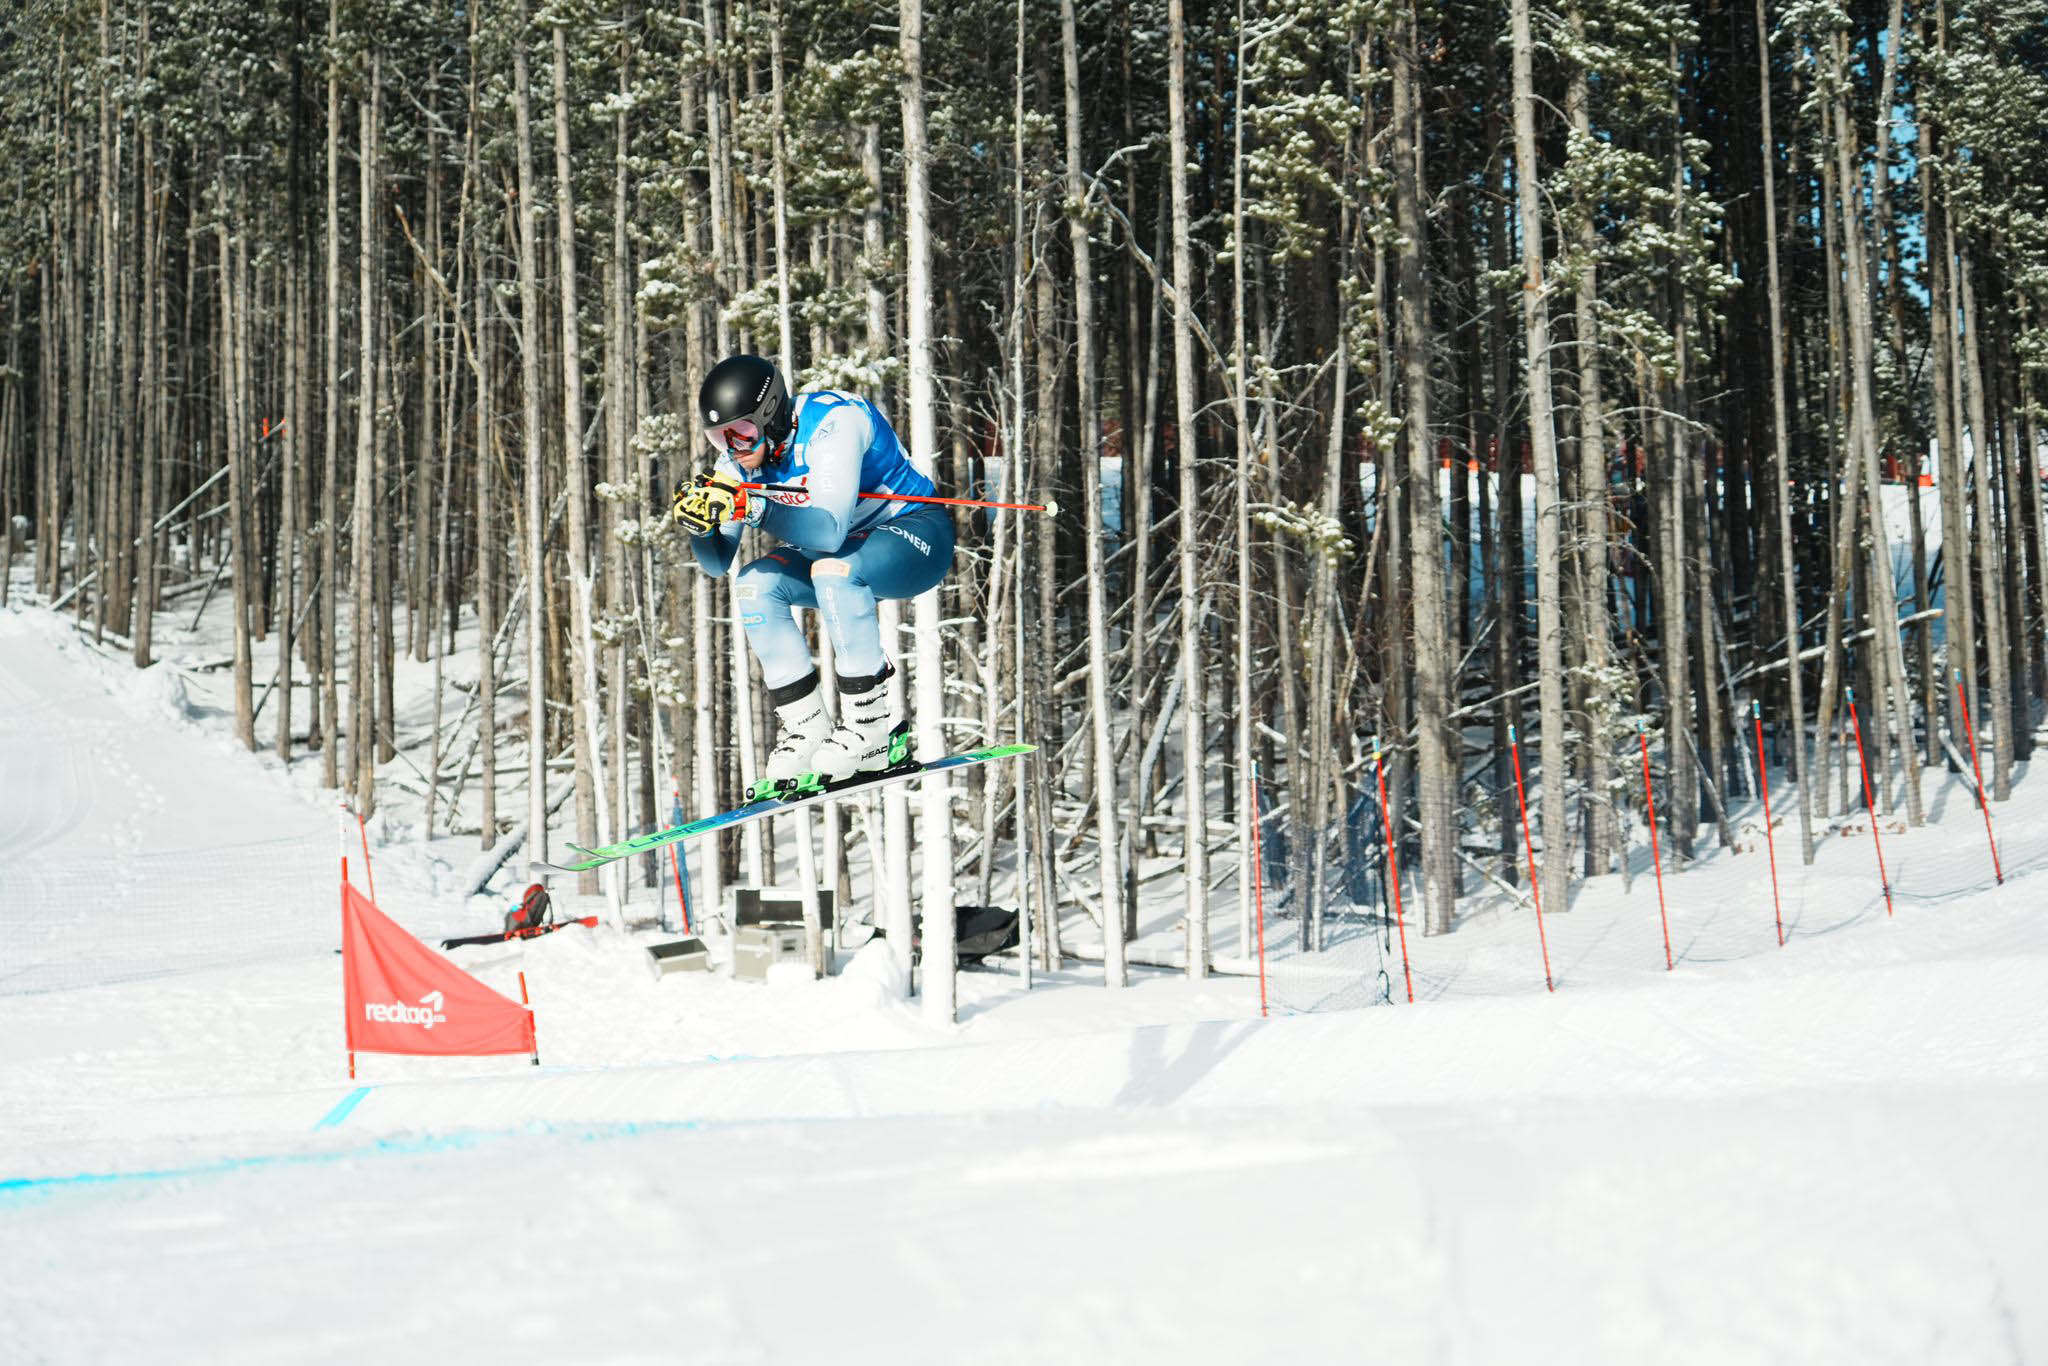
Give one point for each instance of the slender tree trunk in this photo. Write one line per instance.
(1193, 676)
(1543, 442)
(936, 835)
(151, 405)
(593, 801)
(1109, 881)
(1989, 539)
(1602, 827)
(1890, 654)
(1781, 445)
(288, 503)
(486, 558)
(892, 868)
(99, 451)
(234, 405)
(330, 474)
(363, 658)
(1436, 751)
(536, 469)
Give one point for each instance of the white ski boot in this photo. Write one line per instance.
(802, 725)
(870, 736)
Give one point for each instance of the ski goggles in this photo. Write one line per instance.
(737, 437)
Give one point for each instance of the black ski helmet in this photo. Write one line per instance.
(746, 389)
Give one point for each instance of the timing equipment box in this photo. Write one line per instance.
(681, 955)
(756, 948)
(776, 906)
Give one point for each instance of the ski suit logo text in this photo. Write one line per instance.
(426, 1014)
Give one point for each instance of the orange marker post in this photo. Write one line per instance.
(1970, 730)
(1656, 861)
(1393, 869)
(1870, 801)
(1535, 889)
(1756, 710)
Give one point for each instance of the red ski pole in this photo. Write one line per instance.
(1393, 869)
(1970, 730)
(1656, 863)
(1535, 891)
(1869, 801)
(1763, 773)
(1053, 508)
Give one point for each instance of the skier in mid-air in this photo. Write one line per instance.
(840, 553)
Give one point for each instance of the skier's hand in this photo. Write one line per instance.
(709, 503)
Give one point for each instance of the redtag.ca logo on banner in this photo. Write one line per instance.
(426, 1014)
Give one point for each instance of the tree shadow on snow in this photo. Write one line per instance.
(1157, 1079)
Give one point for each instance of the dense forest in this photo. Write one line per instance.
(1410, 381)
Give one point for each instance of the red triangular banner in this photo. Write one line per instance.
(402, 997)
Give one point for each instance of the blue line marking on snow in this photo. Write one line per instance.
(342, 1108)
(409, 1146)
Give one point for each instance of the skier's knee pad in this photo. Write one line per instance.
(832, 567)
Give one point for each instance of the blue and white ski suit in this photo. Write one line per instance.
(841, 551)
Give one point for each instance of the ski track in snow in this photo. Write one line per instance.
(1831, 1152)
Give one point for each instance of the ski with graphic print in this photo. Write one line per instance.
(773, 806)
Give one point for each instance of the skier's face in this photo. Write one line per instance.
(742, 441)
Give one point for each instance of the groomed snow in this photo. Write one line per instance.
(1827, 1152)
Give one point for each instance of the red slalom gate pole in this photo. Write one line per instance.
(1870, 801)
(1535, 890)
(676, 865)
(344, 940)
(1763, 772)
(1259, 885)
(675, 856)
(1970, 729)
(527, 1001)
(1393, 869)
(1656, 862)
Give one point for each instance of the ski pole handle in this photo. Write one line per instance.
(1053, 508)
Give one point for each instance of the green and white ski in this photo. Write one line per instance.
(803, 794)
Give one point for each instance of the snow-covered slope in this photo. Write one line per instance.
(1829, 1152)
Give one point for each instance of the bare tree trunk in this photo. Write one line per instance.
(936, 835)
(330, 476)
(1984, 456)
(234, 404)
(1109, 881)
(363, 668)
(1683, 814)
(99, 450)
(1241, 424)
(593, 801)
(1138, 523)
(1543, 442)
(536, 469)
(419, 580)
(11, 421)
(1187, 442)
(1602, 826)
(1436, 751)
(486, 560)
(1890, 652)
(288, 510)
(1782, 446)
(150, 429)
